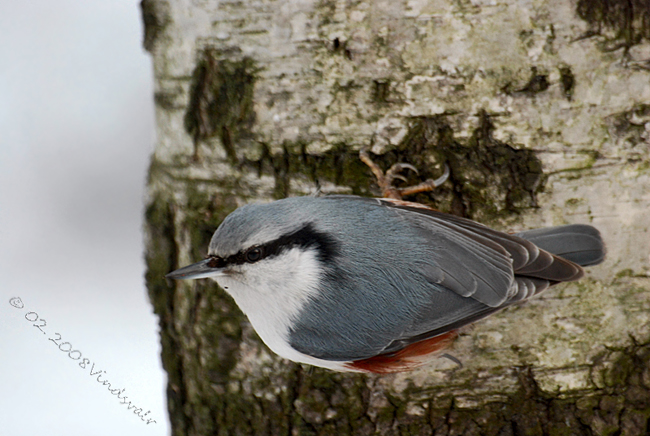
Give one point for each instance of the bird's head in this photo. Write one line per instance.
(265, 245)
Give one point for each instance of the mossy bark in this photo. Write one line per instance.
(539, 108)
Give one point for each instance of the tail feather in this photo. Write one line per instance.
(527, 287)
(578, 243)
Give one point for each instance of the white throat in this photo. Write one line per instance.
(272, 293)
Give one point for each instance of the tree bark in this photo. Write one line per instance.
(540, 108)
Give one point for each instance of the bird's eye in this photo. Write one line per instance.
(254, 254)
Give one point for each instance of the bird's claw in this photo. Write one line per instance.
(393, 172)
(399, 167)
(442, 179)
(453, 359)
(385, 180)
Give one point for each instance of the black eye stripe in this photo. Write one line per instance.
(304, 237)
(216, 262)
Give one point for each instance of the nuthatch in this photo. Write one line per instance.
(378, 285)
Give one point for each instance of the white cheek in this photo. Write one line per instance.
(292, 276)
(272, 292)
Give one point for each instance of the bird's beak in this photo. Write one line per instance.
(197, 270)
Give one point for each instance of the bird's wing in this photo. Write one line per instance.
(491, 268)
(482, 263)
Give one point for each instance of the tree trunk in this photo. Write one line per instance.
(540, 108)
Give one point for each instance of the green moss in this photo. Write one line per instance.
(643, 166)
(160, 259)
(339, 165)
(221, 101)
(205, 210)
(341, 47)
(576, 172)
(624, 23)
(592, 157)
(567, 79)
(628, 128)
(488, 178)
(625, 273)
(536, 83)
(381, 91)
(221, 322)
(164, 100)
(331, 401)
(573, 202)
(215, 311)
(319, 402)
(154, 21)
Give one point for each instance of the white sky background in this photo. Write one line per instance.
(76, 131)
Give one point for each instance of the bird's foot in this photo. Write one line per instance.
(385, 180)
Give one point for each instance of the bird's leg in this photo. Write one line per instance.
(385, 180)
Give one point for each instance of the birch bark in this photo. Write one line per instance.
(541, 109)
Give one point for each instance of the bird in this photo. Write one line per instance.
(379, 285)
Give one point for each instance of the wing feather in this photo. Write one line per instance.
(495, 269)
(485, 270)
